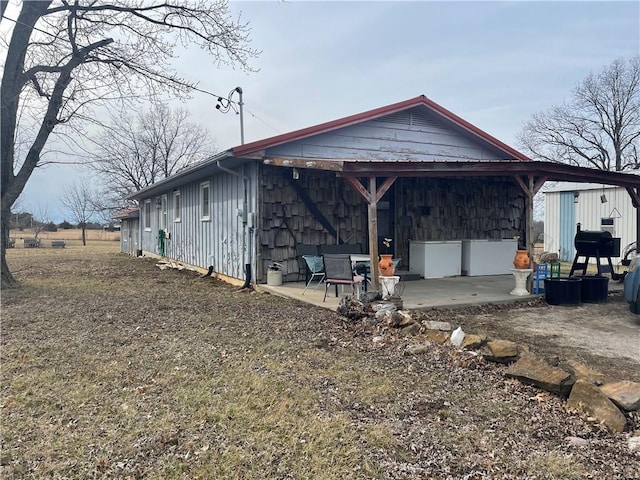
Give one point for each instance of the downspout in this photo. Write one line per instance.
(249, 228)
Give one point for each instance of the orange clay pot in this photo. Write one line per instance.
(385, 266)
(521, 260)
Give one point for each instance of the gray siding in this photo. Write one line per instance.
(222, 241)
(409, 135)
(130, 236)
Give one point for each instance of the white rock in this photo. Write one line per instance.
(457, 336)
(634, 444)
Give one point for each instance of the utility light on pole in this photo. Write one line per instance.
(226, 104)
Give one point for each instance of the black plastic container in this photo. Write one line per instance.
(563, 290)
(594, 289)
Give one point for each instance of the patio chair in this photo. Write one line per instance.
(303, 270)
(316, 267)
(338, 270)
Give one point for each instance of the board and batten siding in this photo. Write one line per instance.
(130, 235)
(414, 134)
(221, 241)
(562, 213)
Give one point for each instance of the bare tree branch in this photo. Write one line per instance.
(64, 56)
(598, 127)
(134, 153)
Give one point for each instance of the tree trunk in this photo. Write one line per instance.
(7, 278)
(84, 236)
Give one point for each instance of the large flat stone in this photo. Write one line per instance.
(583, 372)
(502, 351)
(473, 342)
(625, 394)
(589, 400)
(437, 336)
(434, 325)
(535, 371)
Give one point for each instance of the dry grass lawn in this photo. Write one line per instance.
(72, 236)
(112, 368)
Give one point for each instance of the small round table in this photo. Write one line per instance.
(521, 275)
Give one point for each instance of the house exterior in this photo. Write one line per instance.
(129, 231)
(595, 207)
(407, 171)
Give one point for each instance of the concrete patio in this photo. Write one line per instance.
(425, 293)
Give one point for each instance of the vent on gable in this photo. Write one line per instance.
(413, 117)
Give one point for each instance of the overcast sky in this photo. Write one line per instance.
(492, 63)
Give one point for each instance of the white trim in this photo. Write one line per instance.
(146, 214)
(205, 186)
(177, 206)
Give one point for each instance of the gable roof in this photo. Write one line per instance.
(257, 147)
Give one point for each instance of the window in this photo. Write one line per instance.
(162, 216)
(607, 225)
(176, 206)
(147, 214)
(204, 201)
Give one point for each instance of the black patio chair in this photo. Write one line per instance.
(338, 270)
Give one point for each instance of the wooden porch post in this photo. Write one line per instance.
(372, 196)
(530, 189)
(635, 201)
(372, 214)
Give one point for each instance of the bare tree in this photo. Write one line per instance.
(133, 154)
(79, 202)
(40, 220)
(600, 125)
(65, 56)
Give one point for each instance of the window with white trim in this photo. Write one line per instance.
(147, 215)
(176, 205)
(163, 213)
(205, 200)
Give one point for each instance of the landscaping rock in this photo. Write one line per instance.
(501, 351)
(409, 330)
(587, 399)
(625, 394)
(401, 318)
(473, 342)
(580, 371)
(416, 349)
(433, 325)
(634, 444)
(577, 441)
(437, 336)
(535, 371)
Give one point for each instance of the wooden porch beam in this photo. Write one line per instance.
(538, 185)
(319, 164)
(361, 189)
(385, 187)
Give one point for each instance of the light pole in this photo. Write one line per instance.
(226, 104)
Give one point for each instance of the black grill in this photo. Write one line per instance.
(595, 244)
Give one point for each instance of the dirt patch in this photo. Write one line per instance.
(605, 335)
